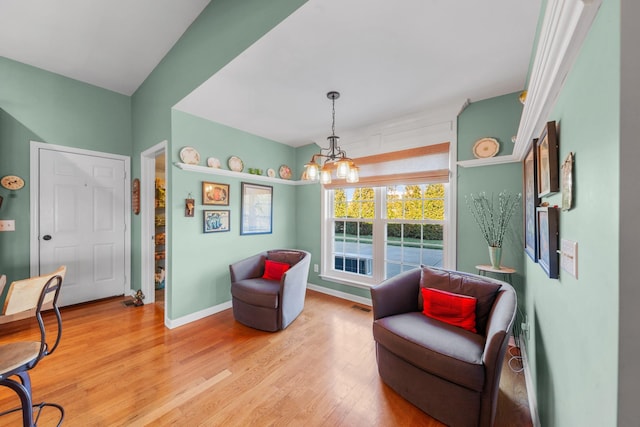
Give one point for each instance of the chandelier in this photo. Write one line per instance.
(332, 158)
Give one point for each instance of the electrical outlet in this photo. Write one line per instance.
(7, 225)
(315, 268)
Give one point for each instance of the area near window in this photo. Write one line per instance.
(384, 226)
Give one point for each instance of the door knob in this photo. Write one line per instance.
(46, 237)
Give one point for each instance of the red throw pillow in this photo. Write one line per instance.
(454, 309)
(273, 270)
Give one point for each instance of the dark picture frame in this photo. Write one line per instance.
(547, 223)
(257, 209)
(216, 221)
(531, 201)
(214, 193)
(547, 156)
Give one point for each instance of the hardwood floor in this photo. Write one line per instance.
(118, 365)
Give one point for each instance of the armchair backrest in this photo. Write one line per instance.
(34, 294)
(289, 256)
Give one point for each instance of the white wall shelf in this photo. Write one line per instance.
(498, 160)
(241, 175)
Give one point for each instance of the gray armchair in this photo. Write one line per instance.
(449, 372)
(264, 304)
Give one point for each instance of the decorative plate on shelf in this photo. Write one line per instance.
(271, 173)
(235, 164)
(284, 172)
(485, 148)
(212, 162)
(190, 156)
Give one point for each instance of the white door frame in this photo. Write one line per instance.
(34, 192)
(147, 223)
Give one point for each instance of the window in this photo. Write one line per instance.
(373, 233)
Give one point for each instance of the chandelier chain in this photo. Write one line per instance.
(333, 116)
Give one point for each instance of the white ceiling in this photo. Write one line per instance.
(387, 58)
(113, 44)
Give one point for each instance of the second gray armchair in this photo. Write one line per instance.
(264, 303)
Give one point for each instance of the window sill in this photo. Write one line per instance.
(347, 282)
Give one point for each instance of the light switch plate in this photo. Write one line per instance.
(569, 257)
(7, 225)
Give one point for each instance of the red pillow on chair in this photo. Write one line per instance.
(454, 309)
(273, 270)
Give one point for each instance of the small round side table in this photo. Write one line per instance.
(505, 271)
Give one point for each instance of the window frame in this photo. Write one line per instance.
(380, 221)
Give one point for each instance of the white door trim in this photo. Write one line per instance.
(147, 223)
(34, 192)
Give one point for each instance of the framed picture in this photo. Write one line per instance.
(531, 201)
(567, 183)
(547, 223)
(257, 209)
(214, 193)
(547, 156)
(216, 221)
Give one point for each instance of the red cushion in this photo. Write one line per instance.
(273, 270)
(454, 309)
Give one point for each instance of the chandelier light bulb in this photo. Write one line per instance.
(342, 168)
(353, 175)
(313, 171)
(325, 176)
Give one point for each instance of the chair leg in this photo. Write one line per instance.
(26, 381)
(24, 394)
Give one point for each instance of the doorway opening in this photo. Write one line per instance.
(153, 197)
(160, 231)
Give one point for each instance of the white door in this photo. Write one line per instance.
(82, 224)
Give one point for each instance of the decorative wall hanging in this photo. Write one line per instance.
(547, 155)
(547, 224)
(135, 196)
(216, 221)
(189, 207)
(485, 148)
(215, 194)
(567, 183)
(531, 201)
(257, 209)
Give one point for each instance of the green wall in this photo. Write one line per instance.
(46, 107)
(202, 259)
(573, 342)
(222, 31)
(496, 118)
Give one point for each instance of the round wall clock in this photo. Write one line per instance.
(12, 182)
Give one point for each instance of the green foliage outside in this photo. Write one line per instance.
(416, 202)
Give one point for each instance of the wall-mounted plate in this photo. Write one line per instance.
(485, 148)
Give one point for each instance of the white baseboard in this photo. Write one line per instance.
(174, 323)
(531, 392)
(339, 294)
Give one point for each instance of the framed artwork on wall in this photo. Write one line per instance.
(531, 201)
(214, 193)
(216, 221)
(547, 224)
(257, 209)
(567, 183)
(547, 158)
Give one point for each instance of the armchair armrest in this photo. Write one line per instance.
(248, 268)
(396, 295)
(298, 273)
(501, 320)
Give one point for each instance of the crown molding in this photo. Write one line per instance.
(564, 29)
